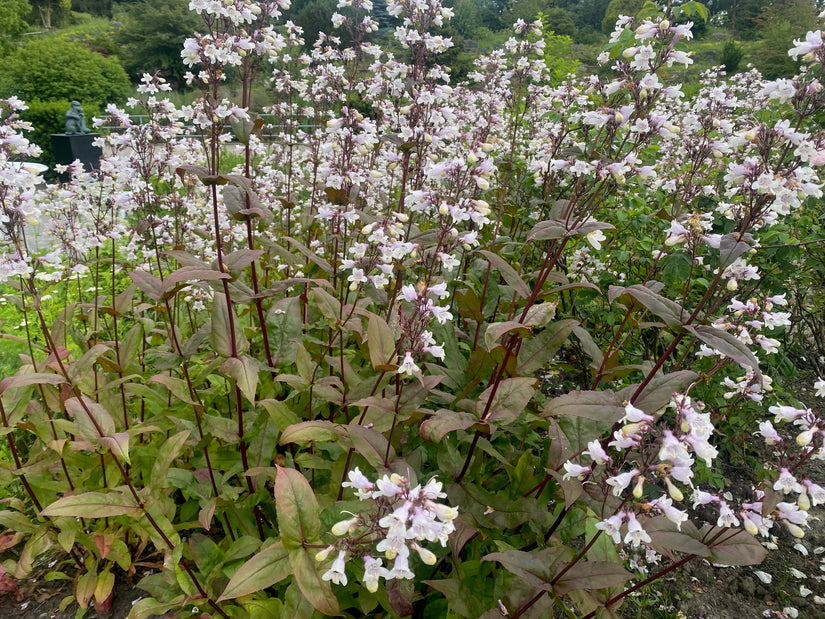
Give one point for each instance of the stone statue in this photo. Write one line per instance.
(76, 120)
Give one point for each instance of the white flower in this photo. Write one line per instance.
(820, 388)
(595, 238)
(635, 533)
(408, 366)
(575, 470)
(596, 452)
(401, 568)
(373, 572)
(336, 572)
(634, 415)
(612, 527)
(621, 481)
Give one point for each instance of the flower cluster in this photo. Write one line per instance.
(402, 518)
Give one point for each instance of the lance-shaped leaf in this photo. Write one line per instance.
(506, 402)
(325, 266)
(317, 591)
(33, 378)
(730, 248)
(606, 406)
(297, 509)
(669, 311)
(538, 351)
(381, 343)
(666, 537)
(445, 421)
(592, 575)
(509, 274)
(733, 546)
(547, 230)
(148, 284)
(497, 329)
(190, 273)
(220, 334)
(118, 444)
(266, 568)
(91, 419)
(660, 390)
(535, 568)
(94, 505)
(245, 372)
(727, 344)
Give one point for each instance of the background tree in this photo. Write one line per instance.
(12, 21)
(152, 37)
(313, 16)
(619, 7)
(50, 12)
(777, 26)
(101, 8)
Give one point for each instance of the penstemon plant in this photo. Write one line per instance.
(428, 348)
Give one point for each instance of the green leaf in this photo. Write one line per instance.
(444, 421)
(33, 378)
(733, 546)
(94, 505)
(727, 344)
(92, 420)
(538, 351)
(606, 406)
(317, 591)
(220, 335)
(118, 444)
(381, 343)
(266, 568)
(547, 230)
(535, 568)
(660, 390)
(592, 575)
(244, 370)
(509, 274)
(325, 266)
(497, 329)
(509, 400)
(672, 313)
(307, 431)
(170, 450)
(297, 509)
(666, 537)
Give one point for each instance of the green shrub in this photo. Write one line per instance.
(732, 54)
(54, 69)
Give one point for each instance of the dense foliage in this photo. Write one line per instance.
(416, 346)
(54, 69)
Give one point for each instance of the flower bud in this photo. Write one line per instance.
(471, 158)
(804, 501)
(322, 555)
(630, 52)
(664, 24)
(443, 209)
(732, 285)
(805, 437)
(482, 183)
(427, 556)
(344, 526)
(794, 530)
(673, 491)
(750, 527)
(618, 117)
(638, 489)
(487, 147)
